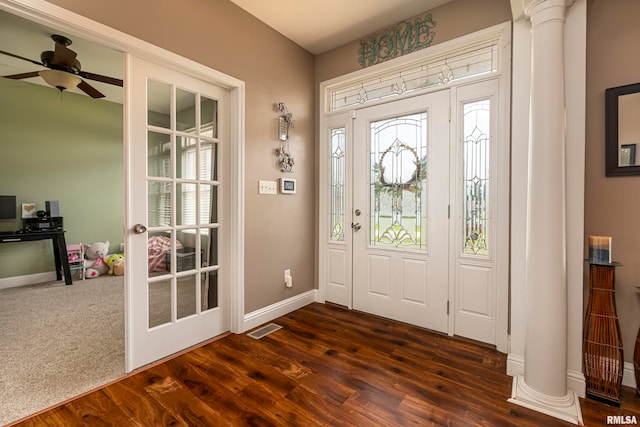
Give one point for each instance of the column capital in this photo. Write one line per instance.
(532, 7)
(541, 11)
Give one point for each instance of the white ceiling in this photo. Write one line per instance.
(316, 25)
(322, 25)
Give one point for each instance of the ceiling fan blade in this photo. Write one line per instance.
(21, 57)
(22, 75)
(64, 56)
(99, 78)
(90, 90)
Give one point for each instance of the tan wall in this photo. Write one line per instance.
(612, 205)
(279, 229)
(453, 20)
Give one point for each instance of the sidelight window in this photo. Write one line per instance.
(476, 176)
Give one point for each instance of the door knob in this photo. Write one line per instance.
(356, 226)
(139, 228)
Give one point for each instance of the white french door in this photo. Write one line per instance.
(178, 178)
(400, 210)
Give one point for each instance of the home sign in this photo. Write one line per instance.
(406, 37)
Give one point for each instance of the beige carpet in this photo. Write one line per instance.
(58, 341)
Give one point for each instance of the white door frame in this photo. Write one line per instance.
(331, 119)
(56, 17)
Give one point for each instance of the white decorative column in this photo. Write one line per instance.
(544, 385)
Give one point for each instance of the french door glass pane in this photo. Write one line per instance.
(208, 161)
(476, 173)
(337, 185)
(186, 197)
(185, 111)
(211, 256)
(209, 286)
(159, 104)
(398, 190)
(186, 294)
(186, 158)
(159, 203)
(185, 257)
(208, 204)
(208, 117)
(159, 303)
(158, 155)
(158, 252)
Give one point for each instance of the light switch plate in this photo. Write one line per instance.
(267, 187)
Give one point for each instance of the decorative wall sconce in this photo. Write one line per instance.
(285, 122)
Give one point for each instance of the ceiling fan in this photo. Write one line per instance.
(63, 69)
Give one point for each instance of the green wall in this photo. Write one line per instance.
(64, 147)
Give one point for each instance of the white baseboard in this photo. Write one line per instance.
(267, 314)
(629, 375)
(575, 380)
(29, 279)
(577, 383)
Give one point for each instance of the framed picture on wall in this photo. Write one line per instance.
(627, 155)
(28, 210)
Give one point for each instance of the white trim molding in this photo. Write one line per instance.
(273, 311)
(629, 375)
(28, 279)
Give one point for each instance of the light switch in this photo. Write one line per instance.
(267, 187)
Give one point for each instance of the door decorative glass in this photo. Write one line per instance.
(476, 176)
(398, 187)
(337, 184)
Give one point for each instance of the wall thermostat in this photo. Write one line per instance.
(287, 185)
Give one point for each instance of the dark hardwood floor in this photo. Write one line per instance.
(327, 366)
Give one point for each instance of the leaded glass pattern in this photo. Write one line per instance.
(430, 72)
(476, 176)
(398, 182)
(337, 184)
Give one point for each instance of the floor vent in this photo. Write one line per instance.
(264, 331)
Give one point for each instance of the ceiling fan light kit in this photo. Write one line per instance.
(61, 80)
(63, 69)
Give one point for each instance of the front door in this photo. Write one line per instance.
(400, 210)
(178, 200)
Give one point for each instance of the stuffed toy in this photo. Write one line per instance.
(95, 263)
(116, 264)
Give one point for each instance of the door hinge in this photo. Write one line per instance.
(448, 211)
(447, 307)
(449, 114)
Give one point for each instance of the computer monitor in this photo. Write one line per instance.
(7, 207)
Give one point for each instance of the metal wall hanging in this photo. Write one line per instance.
(285, 122)
(406, 37)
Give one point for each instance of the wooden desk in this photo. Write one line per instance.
(59, 248)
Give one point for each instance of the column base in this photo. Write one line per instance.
(566, 408)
